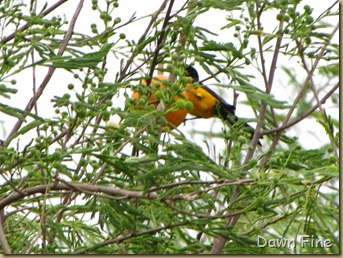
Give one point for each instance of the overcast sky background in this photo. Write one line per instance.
(212, 19)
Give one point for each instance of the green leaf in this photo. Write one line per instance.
(135, 160)
(227, 5)
(258, 95)
(214, 46)
(27, 128)
(87, 60)
(4, 90)
(11, 111)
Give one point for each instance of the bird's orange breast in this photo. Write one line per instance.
(174, 118)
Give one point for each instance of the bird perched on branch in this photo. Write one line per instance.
(206, 103)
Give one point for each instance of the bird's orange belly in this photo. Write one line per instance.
(174, 118)
(203, 104)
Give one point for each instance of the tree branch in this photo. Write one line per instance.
(304, 115)
(123, 72)
(78, 187)
(159, 42)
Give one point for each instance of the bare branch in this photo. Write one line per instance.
(304, 115)
(160, 41)
(78, 187)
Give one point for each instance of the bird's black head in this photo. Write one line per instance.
(192, 73)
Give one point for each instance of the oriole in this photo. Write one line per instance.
(206, 104)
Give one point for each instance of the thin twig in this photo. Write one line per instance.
(315, 93)
(131, 235)
(274, 66)
(106, 32)
(302, 116)
(260, 45)
(123, 72)
(218, 184)
(203, 216)
(3, 240)
(160, 41)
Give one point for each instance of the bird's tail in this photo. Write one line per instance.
(229, 116)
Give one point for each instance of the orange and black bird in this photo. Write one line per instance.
(206, 104)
